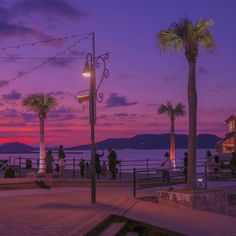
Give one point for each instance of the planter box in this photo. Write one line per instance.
(207, 200)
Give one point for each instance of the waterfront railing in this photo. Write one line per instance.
(24, 166)
(205, 173)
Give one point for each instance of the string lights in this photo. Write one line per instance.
(47, 60)
(44, 41)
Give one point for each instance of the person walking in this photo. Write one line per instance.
(61, 161)
(112, 160)
(186, 166)
(98, 163)
(49, 169)
(166, 166)
(232, 164)
(82, 167)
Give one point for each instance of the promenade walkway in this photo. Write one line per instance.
(68, 211)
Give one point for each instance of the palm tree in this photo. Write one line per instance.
(42, 104)
(186, 35)
(172, 112)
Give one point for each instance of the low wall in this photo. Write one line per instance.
(210, 200)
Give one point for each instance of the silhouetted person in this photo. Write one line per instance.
(97, 163)
(57, 168)
(61, 161)
(232, 164)
(209, 161)
(112, 160)
(87, 170)
(217, 165)
(166, 165)
(82, 167)
(49, 168)
(104, 169)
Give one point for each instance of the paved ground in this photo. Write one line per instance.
(61, 211)
(68, 211)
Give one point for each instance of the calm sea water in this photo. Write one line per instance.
(129, 157)
(123, 154)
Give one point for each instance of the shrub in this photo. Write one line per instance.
(9, 173)
(28, 164)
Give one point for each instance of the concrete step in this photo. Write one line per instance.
(113, 229)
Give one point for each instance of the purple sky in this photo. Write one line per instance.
(141, 77)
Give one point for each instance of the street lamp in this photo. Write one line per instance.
(89, 71)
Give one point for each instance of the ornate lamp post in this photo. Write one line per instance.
(92, 63)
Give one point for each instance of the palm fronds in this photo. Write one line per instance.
(39, 102)
(170, 110)
(185, 34)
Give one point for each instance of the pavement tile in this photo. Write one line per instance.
(68, 211)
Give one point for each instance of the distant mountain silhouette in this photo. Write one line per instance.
(16, 147)
(153, 141)
(142, 141)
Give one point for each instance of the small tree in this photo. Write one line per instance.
(42, 104)
(172, 112)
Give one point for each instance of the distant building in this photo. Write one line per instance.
(228, 143)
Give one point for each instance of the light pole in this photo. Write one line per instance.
(89, 71)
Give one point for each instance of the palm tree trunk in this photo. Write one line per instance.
(235, 135)
(192, 141)
(42, 146)
(235, 142)
(172, 140)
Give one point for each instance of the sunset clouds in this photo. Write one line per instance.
(141, 77)
(115, 100)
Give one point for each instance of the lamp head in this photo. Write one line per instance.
(87, 72)
(82, 98)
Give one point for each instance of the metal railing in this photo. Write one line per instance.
(206, 173)
(124, 168)
(72, 168)
(155, 178)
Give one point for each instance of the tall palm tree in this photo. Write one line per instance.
(188, 36)
(42, 104)
(172, 112)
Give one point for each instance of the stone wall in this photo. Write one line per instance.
(213, 201)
